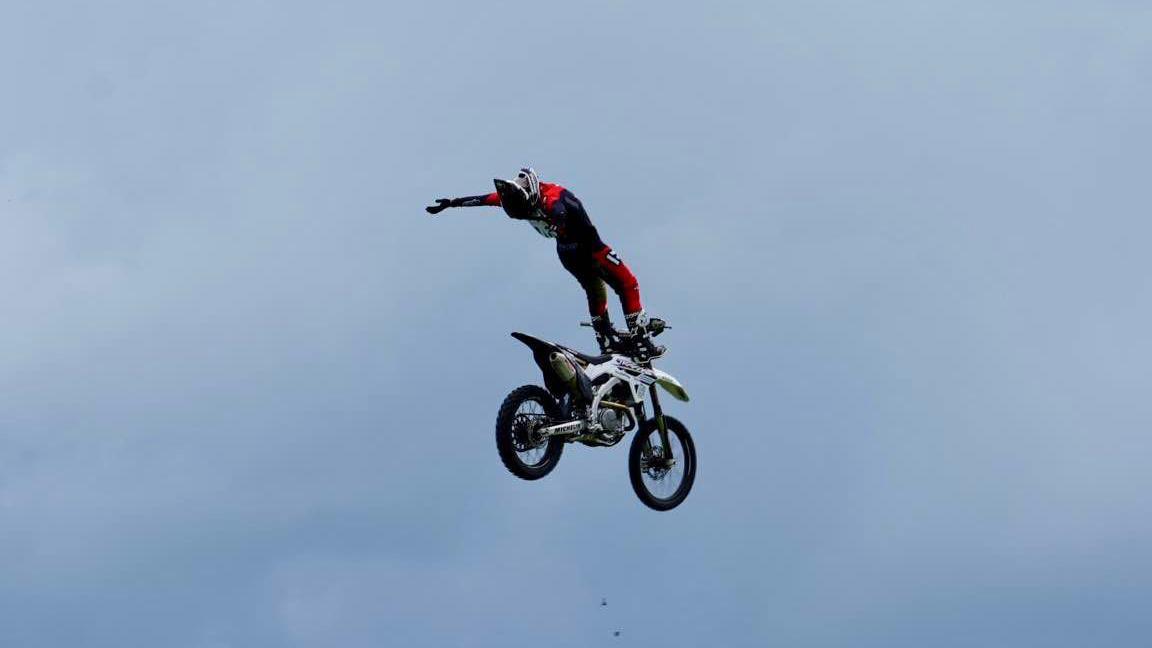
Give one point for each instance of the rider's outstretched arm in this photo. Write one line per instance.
(492, 199)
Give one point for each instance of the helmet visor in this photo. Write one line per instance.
(514, 199)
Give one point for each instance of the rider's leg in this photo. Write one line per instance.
(619, 276)
(598, 308)
(597, 294)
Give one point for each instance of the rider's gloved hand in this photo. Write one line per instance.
(441, 205)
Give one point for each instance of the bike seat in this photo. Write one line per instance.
(591, 359)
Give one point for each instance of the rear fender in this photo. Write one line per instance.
(541, 351)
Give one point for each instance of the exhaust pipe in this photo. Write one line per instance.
(572, 377)
(563, 367)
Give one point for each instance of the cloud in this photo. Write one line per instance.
(248, 385)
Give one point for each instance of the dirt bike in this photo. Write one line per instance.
(596, 401)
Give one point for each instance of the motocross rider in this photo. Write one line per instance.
(557, 213)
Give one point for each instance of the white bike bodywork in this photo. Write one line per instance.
(622, 369)
(603, 382)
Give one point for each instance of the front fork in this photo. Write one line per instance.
(658, 414)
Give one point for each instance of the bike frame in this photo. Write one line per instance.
(641, 379)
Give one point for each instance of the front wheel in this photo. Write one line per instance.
(524, 452)
(662, 475)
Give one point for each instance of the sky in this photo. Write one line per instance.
(247, 385)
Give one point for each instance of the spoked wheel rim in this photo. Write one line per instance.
(662, 474)
(530, 449)
(523, 450)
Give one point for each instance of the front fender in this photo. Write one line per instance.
(671, 385)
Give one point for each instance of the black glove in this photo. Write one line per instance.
(441, 205)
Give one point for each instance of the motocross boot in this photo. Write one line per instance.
(642, 328)
(605, 334)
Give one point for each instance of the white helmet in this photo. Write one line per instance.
(530, 183)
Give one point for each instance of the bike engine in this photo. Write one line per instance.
(612, 425)
(614, 421)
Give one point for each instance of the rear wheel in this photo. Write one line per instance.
(526, 453)
(662, 476)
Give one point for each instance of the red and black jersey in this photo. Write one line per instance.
(561, 210)
(562, 215)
